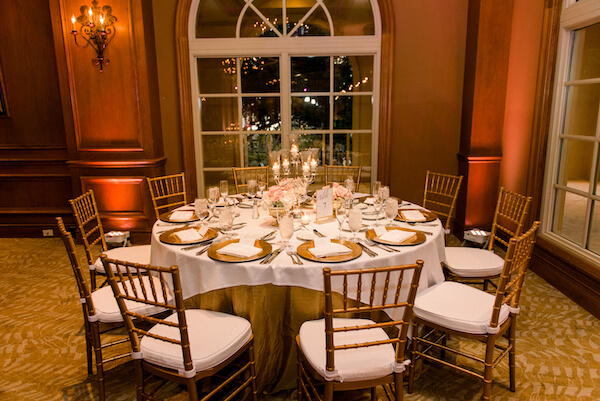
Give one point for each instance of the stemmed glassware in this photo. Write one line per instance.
(226, 220)
(261, 185)
(212, 195)
(286, 228)
(252, 188)
(391, 209)
(340, 215)
(355, 222)
(200, 206)
(377, 205)
(224, 188)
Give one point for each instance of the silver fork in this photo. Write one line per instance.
(381, 246)
(289, 253)
(295, 253)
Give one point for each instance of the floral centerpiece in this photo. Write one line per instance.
(280, 197)
(340, 192)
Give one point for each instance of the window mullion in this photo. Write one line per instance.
(243, 149)
(285, 89)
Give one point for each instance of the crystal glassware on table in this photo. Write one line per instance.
(224, 189)
(340, 215)
(378, 206)
(261, 186)
(355, 222)
(286, 229)
(391, 209)
(226, 220)
(212, 196)
(252, 188)
(200, 206)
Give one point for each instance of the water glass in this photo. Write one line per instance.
(226, 220)
(391, 209)
(200, 206)
(252, 188)
(261, 186)
(355, 221)
(286, 229)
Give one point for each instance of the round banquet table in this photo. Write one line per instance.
(279, 296)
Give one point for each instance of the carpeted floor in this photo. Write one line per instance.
(42, 351)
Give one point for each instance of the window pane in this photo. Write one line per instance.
(353, 74)
(257, 148)
(219, 114)
(261, 114)
(217, 18)
(310, 74)
(585, 62)
(352, 112)
(594, 235)
(351, 149)
(217, 75)
(260, 74)
(315, 25)
(213, 178)
(575, 164)
(569, 216)
(582, 110)
(254, 26)
(221, 150)
(310, 112)
(351, 20)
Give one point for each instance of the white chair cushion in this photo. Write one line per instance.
(214, 337)
(107, 309)
(135, 254)
(473, 262)
(458, 307)
(353, 364)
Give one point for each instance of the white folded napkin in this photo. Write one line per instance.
(413, 215)
(239, 250)
(397, 236)
(181, 215)
(328, 248)
(370, 201)
(188, 235)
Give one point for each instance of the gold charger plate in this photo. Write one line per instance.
(169, 237)
(429, 216)
(166, 215)
(303, 250)
(416, 240)
(212, 251)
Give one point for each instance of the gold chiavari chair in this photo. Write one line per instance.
(462, 311)
(340, 173)
(167, 192)
(186, 347)
(347, 350)
(241, 175)
(101, 316)
(90, 228)
(476, 265)
(441, 192)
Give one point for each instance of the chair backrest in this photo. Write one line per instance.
(381, 290)
(85, 295)
(88, 222)
(167, 192)
(509, 217)
(516, 263)
(340, 173)
(441, 192)
(241, 175)
(153, 292)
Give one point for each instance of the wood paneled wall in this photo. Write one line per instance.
(71, 127)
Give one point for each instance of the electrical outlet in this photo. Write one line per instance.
(48, 233)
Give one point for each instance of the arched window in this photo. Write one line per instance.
(263, 71)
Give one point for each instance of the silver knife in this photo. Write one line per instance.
(201, 251)
(368, 251)
(271, 256)
(187, 248)
(318, 233)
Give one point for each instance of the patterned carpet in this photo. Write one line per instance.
(42, 351)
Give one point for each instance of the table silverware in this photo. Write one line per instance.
(201, 251)
(368, 251)
(318, 233)
(295, 253)
(268, 236)
(380, 246)
(271, 256)
(188, 248)
(289, 253)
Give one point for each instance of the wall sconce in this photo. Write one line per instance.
(96, 28)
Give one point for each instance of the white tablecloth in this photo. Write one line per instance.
(200, 274)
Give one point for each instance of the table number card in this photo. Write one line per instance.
(324, 204)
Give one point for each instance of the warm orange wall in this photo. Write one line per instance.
(429, 53)
(520, 94)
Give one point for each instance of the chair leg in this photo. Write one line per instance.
(139, 379)
(413, 359)
(89, 345)
(253, 371)
(93, 279)
(399, 384)
(328, 396)
(96, 341)
(487, 372)
(192, 389)
(511, 353)
(373, 394)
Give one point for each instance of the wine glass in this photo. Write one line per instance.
(391, 209)
(286, 229)
(212, 194)
(349, 183)
(376, 187)
(251, 188)
(340, 215)
(355, 222)
(261, 185)
(224, 188)
(377, 205)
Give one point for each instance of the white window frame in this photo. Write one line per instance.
(574, 15)
(284, 47)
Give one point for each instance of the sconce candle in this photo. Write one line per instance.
(97, 29)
